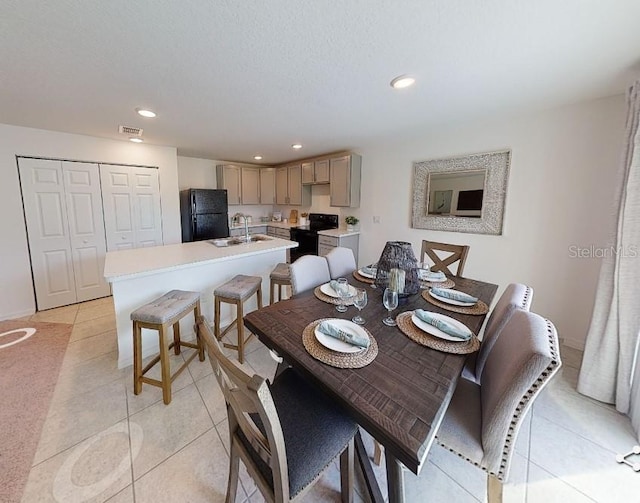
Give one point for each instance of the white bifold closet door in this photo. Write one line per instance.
(131, 198)
(65, 227)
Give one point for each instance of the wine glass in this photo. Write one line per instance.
(342, 289)
(390, 301)
(360, 300)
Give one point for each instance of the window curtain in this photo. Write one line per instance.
(610, 369)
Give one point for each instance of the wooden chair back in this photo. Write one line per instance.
(246, 395)
(458, 253)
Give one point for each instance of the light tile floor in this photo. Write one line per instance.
(100, 442)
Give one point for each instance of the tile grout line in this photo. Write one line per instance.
(563, 481)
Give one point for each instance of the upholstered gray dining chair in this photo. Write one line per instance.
(482, 422)
(308, 272)
(286, 433)
(341, 262)
(516, 295)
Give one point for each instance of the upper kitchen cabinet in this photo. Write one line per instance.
(315, 172)
(267, 186)
(229, 177)
(250, 185)
(241, 182)
(344, 176)
(289, 188)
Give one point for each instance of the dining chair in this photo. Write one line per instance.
(286, 433)
(308, 272)
(482, 422)
(457, 253)
(515, 296)
(341, 262)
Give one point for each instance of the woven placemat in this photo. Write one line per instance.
(437, 284)
(335, 358)
(477, 309)
(333, 300)
(362, 278)
(415, 334)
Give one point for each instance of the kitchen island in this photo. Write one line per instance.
(140, 275)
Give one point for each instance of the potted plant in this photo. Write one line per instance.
(351, 222)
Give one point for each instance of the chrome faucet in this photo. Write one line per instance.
(247, 238)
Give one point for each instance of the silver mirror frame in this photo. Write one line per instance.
(496, 165)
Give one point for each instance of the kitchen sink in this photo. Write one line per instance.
(238, 240)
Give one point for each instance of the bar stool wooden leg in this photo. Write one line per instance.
(259, 298)
(216, 317)
(199, 341)
(176, 337)
(272, 287)
(240, 326)
(137, 358)
(165, 366)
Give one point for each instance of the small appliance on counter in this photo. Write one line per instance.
(293, 217)
(277, 216)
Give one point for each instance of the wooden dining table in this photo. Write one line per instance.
(401, 397)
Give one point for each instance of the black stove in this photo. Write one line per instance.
(307, 236)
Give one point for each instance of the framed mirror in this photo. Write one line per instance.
(461, 194)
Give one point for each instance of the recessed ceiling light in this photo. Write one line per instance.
(257, 157)
(402, 81)
(146, 113)
(296, 146)
(136, 140)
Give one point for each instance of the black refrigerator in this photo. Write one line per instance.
(204, 214)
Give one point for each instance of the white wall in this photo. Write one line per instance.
(16, 294)
(559, 194)
(194, 173)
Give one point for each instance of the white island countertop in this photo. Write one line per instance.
(127, 264)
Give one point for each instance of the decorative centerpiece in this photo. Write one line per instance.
(351, 222)
(397, 269)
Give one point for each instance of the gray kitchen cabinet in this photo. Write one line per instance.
(239, 231)
(229, 177)
(267, 186)
(315, 172)
(327, 243)
(278, 232)
(250, 185)
(344, 176)
(289, 188)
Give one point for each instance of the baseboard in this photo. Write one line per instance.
(18, 314)
(572, 343)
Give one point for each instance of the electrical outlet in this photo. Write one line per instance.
(376, 219)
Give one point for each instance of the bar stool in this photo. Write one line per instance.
(280, 276)
(159, 315)
(236, 291)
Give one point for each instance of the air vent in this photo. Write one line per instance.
(130, 131)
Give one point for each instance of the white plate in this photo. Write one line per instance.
(451, 301)
(362, 272)
(423, 275)
(327, 290)
(430, 329)
(336, 344)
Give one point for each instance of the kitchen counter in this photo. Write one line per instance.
(339, 233)
(141, 275)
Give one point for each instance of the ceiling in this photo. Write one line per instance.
(230, 79)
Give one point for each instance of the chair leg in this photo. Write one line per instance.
(347, 477)
(165, 367)
(199, 341)
(272, 287)
(260, 297)
(494, 489)
(377, 452)
(234, 469)
(216, 316)
(176, 337)
(240, 325)
(137, 358)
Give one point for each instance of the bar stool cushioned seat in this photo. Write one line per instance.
(158, 315)
(280, 276)
(236, 291)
